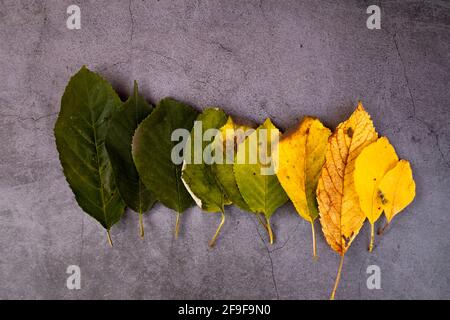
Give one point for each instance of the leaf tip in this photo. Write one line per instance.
(360, 106)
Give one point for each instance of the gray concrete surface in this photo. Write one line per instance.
(256, 59)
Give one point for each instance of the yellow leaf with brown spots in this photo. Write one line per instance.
(370, 167)
(397, 189)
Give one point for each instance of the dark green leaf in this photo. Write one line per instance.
(86, 107)
(152, 148)
(122, 126)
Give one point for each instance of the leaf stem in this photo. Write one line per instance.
(338, 277)
(213, 240)
(141, 224)
(262, 222)
(177, 225)
(381, 230)
(313, 240)
(108, 235)
(372, 236)
(269, 231)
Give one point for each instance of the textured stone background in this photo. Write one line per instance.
(256, 59)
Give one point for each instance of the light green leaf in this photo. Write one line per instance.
(122, 126)
(86, 107)
(231, 134)
(257, 183)
(197, 174)
(152, 149)
(198, 178)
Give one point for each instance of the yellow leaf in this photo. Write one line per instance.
(340, 213)
(397, 189)
(370, 167)
(301, 155)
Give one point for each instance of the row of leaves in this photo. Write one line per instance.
(117, 154)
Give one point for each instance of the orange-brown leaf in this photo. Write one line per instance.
(340, 213)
